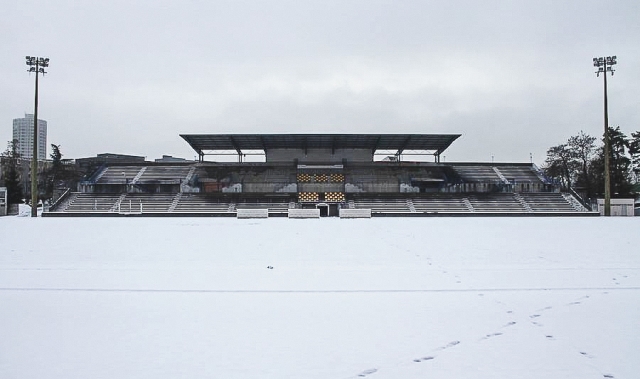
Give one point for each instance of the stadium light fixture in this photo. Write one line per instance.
(37, 65)
(604, 65)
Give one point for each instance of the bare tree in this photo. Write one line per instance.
(561, 165)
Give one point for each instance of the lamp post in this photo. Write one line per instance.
(37, 65)
(604, 65)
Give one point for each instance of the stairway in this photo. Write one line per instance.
(66, 203)
(523, 202)
(116, 205)
(410, 205)
(138, 175)
(575, 204)
(175, 202)
(184, 184)
(468, 204)
(502, 177)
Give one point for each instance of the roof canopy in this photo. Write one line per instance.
(435, 143)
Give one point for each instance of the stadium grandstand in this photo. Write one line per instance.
(324, 174)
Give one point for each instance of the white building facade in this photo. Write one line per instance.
(23, 133)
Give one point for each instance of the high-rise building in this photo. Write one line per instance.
(23, 133)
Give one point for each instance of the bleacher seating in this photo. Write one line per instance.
(306, 197)
(321, 178)
(383, 205)
(548, 202)
(334, 197)
(336, 178)
(495, 203)
(445, 203)
(91, 203)
(159, 173)
(151, 202)
(480, 188)
(274, 205)
(519, 174)
(118, 174)
(477, 173)
(198, 203)
(304, 178)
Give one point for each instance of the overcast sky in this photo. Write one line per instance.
(513, 77)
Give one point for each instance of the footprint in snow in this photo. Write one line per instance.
(491, 335)
(450, 344)
(418, 360)
(367, 372)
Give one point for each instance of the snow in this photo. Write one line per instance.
(380, 298)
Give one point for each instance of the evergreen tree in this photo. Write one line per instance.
(56, 170)
(620, 163)
(619, 166)
(12, 173)
(634, 152)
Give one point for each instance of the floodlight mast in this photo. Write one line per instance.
(37, 65)
(604, 65)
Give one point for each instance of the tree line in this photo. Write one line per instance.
(16, 172)
(578, 164)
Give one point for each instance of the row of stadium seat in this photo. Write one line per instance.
(312, 197)
(198, 203)
(320, 178)
(120, 174)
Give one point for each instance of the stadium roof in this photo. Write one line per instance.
(435, 143)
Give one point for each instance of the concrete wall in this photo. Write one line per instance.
(372, 187)
(321, 187)
(253, 187)
(619, 207)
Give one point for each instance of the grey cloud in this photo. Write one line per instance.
(512, 77)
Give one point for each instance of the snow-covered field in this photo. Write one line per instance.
(381, 298)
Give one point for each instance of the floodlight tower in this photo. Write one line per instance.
(37, 65)
(604, 65)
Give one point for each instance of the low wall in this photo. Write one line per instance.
(304, 213)
(355, 213)
(252, 213)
